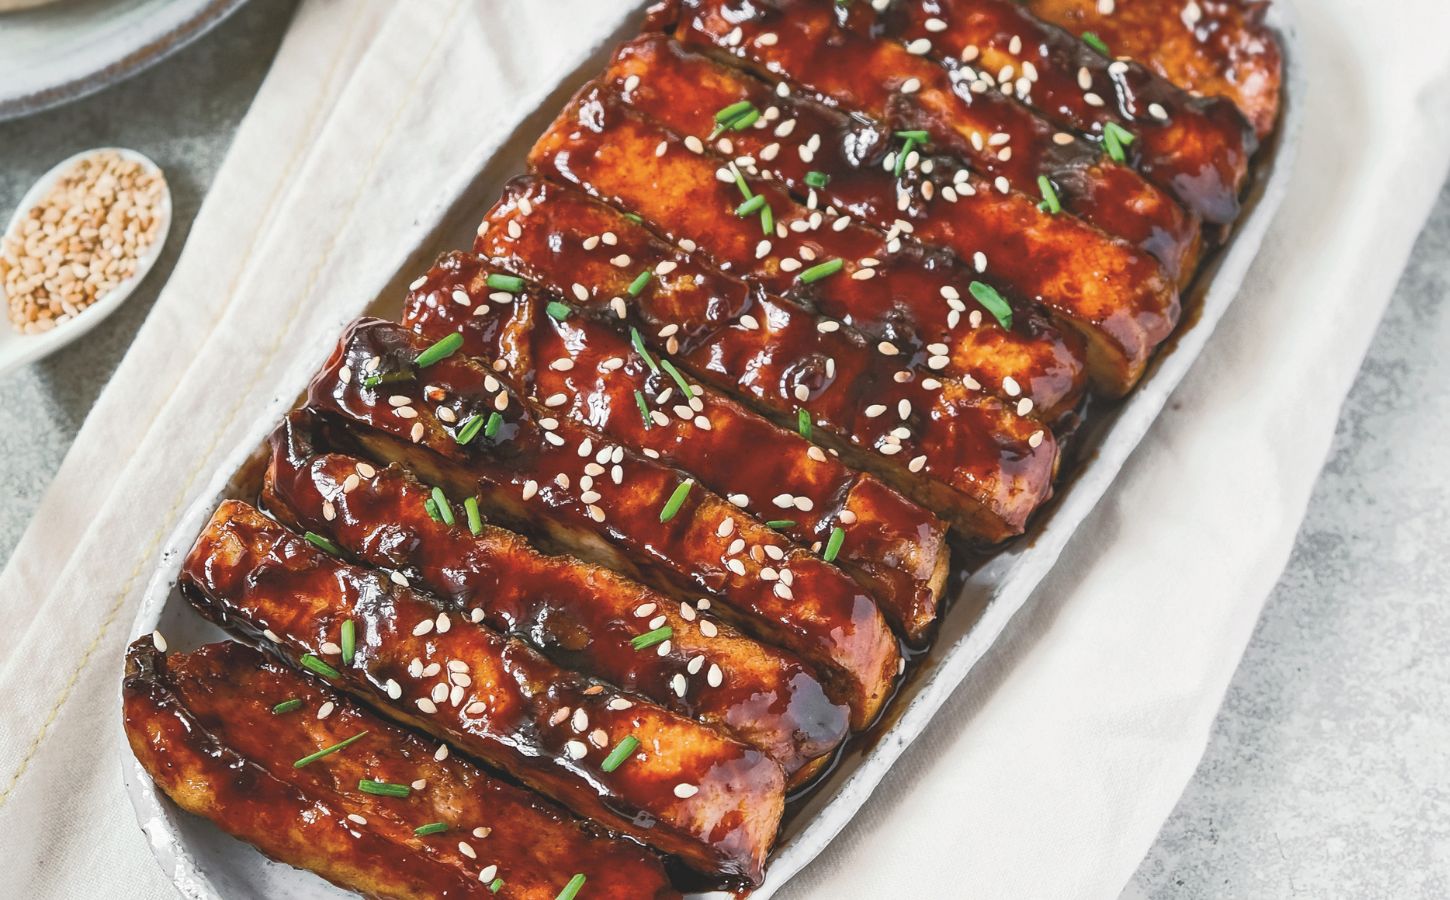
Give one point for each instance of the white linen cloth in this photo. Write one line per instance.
(1051, 770)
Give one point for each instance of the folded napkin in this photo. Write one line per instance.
(1051, 770)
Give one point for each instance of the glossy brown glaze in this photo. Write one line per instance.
(597, 500)
(1197, 149)
(1115, 302)
(890, 288)
(581, 367)
(816, 53)
(966, 456)
(689, 790)
(1222, 48)
(201, 724)
(579, 615)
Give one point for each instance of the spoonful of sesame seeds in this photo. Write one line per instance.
(83, 237)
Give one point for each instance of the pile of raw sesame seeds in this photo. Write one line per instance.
(84, 238)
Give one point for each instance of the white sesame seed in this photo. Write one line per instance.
(423, 628)
(686, 791)
(356, 819)
(426, 705)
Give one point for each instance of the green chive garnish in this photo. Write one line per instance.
(1049, 203)
(906, 149)
(674, 373)
(387, 378)
(431, 828)
(1092, 40)
(817, 180)
(734, 111)
(992, 302)
(638, 343)
(431, 509)
(803, 423)
(328, 751)
(750, 207)
(440, 351)
(780, 523)
(445, 509)
(558, 311)
(650, 638)
(917, 136)
(383, 788)
(677, 500)
(286, 706)
(314, 664)
(469, 430)
(1115, 138)
(510, 283)
(571, 890)
(767, 220)
(322, 543)
(495, 422)
(833, 546)
(622, 751)
(475, 519)
(349, 640)
(643, 410)
(638, 284)
(634, 217)
(740, 183)
(495, 885)
(821, 270)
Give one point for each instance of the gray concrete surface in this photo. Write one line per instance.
(1327, 774)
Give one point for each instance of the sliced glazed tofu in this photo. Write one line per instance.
(801, 42)
(1214, 49)
(968, 457)
(595, 499)
(581, 616)
(689, 790)
(1116, 298)
(577, 366)
(224, 733)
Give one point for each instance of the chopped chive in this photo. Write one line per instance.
(643, 410)
(286, 706)
(383, 788)
(431, 828)
(1092, 40)
(734, 111)
(803, 423)
(833, 546)
(679, 379)
(431, 509)
(821, 270)
(558, 311)
(1115, 138)
(745, 121)
(677, 500)
(917, 136)
(767, 220)
(387, 378)
(634, 217)
(349, 640)
(906, 149)
(445, 509)
(650, 638)
(780, 523)
(817, 179)
(638, 343)
(740, 183)
(495, 885)
(322, 543)
(315, 664)
(510, 283)
(1049, 203)
(495, 422)
(620, 753)
(328, 751)
(992, 302)
(444, 348)
(469, 429)
(750, 207)
(475, 519)
(638, 284)
(571, 890)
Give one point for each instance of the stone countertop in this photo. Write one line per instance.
(1326, 774)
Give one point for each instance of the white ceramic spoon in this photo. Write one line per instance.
(17, 349)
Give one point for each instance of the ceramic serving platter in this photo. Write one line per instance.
(205, 863)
